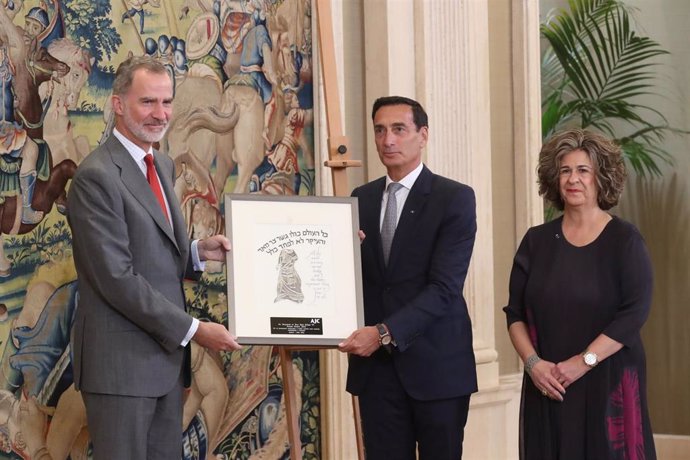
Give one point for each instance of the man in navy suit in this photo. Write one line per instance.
(412, 365)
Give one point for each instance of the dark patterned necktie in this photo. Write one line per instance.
(152, 178)
(390, 218)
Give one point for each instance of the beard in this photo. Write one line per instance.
(140, 131)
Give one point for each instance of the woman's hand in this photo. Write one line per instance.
(567, 372)
(542, 376)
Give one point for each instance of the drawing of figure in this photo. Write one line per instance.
(28, 185)
(136, 7)
(289, 60)
(284, 154)
(257, 70)
(279, 174)
(289, 283)
(58, 127)
(20, 45)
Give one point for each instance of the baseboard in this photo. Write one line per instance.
(672, 447)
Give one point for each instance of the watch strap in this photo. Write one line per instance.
(383, 334)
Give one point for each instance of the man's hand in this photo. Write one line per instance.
(362, 342)
(361, 235)
(216, 337)
(213, 248)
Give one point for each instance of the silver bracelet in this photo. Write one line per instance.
(530, 362)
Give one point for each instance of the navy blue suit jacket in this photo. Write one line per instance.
(419, 294)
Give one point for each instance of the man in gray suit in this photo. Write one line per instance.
(131, 334)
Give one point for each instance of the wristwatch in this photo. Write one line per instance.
(384, 336)
(591, 359)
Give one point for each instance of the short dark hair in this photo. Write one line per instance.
(419, 116)
(124, 76)
(606, 157)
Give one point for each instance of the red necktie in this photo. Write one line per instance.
(152, 177)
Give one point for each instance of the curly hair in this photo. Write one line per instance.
(606, 157)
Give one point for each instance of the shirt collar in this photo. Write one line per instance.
(409, 180)
(134, 150)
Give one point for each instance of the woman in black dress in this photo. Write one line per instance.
(580, 290)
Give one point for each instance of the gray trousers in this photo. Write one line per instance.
(135, 428)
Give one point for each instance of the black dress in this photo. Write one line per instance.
(567, 296)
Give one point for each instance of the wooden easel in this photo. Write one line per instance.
(338, 160)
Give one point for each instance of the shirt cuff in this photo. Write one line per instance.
(199, 265)
(190, 332)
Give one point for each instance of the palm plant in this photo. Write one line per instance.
(595, 73)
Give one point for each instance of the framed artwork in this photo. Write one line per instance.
(294, 274)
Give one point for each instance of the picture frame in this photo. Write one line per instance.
(294, 271)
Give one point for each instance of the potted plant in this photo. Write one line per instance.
(595, 73)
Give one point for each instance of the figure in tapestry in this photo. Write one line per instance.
(242, 80)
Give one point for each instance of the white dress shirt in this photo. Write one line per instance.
(401, 195)
(138, 155)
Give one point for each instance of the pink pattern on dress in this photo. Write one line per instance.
(625, 418)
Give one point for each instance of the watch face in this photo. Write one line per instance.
(384, 336)
(590, 359)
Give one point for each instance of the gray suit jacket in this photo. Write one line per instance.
(130, 317)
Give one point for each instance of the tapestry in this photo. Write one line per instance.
(242, 122)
